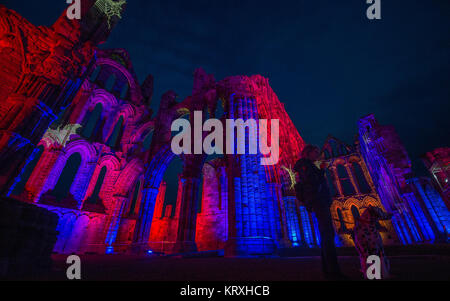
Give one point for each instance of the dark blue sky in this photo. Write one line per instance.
(325, 60)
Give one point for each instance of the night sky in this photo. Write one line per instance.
(325, 60)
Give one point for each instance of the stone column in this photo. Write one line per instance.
(279, 204)
(188, 215)
(337, 181)
(143, 225)
(250, 215)
(114, 223)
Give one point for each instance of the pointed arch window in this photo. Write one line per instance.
(355, 213)
(98, 186)
(331, 183)
(67, 177)
(364, 187)
(345, 181)
(116, 134)
(341, 219)
(93, 121)
(28, 170)
(135, 198)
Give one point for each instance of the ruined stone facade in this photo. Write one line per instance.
(438, 164)
(78, 138)
(420, 214)
(99, 164)
(352, 189)
(42, 70)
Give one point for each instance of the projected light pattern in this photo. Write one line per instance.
(111, 8)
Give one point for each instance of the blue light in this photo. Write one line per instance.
(149, 252)
(110, 250)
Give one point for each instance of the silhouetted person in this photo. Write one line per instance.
(312, 190)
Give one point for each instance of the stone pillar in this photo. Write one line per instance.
(279, 204)
(188, 216)
(250, 215)
(114, 223)
(43, 170)
(337, 181)
(301, 217)
(143, 225)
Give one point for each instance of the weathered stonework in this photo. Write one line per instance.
(77, 137)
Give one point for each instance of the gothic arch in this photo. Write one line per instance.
(134, 89)
(108, 100)
(345, 179)
(354, 159)
(128, 176)
(111, 161)
(112, 165)
(128, 111)
(80, 183)
(143, 131)
(339, 161)
(350, 202)
(371, 201)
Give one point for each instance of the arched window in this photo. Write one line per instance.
(116, 134)
(331, 183)
(67, 177)
(98, 186)
(137, 189)
(124, 91)
(148, 141)
(341, 219)
(346, 183)
(110, 83)
(360, 177)
(28, 170)
(95, 74)
(93, 121)
(355, 213)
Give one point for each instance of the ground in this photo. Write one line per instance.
(119, 267)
